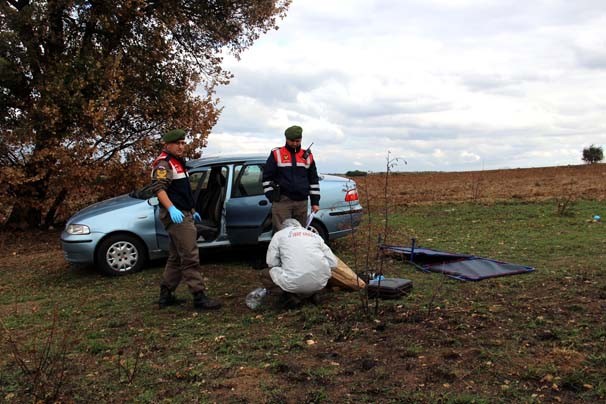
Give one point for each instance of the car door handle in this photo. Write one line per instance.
(263, 203)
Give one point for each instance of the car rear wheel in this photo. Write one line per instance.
(318, 228)
(121, 254)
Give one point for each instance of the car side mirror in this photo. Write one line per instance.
(153, 201)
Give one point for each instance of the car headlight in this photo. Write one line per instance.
(77, 229)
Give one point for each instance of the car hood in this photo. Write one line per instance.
(108, 205)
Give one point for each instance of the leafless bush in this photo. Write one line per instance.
(477, 182)
(41, 360)
(363, 293)
(435, 293)
(391, 162)
(127, 365)
(565, 203)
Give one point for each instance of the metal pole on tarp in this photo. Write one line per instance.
(412, 249)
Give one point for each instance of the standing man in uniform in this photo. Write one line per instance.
(289, 179)
(171, 185)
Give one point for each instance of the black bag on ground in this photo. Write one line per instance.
(389, 288)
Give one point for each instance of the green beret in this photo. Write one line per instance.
(173, 135)
(294, 133)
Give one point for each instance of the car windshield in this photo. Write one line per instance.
(143, 192)
(146, 191)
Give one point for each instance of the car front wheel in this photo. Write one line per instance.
(120, 254)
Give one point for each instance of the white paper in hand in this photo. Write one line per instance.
(310, 218)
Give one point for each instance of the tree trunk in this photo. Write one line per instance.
(52, 211)
(23, 217)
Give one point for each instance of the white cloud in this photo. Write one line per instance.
(447, 84)
(438, 154)
(469, 157)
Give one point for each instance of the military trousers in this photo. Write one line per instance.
(183, 261)
(286, 208)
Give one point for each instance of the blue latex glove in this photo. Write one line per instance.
(197, 217)
(175, 215)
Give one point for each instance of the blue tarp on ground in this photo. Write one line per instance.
(458, 266)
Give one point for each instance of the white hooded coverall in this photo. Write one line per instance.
(299, 259)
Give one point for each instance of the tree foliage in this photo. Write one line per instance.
(87, 87)
(593, 154)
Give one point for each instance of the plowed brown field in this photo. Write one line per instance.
(529, 184)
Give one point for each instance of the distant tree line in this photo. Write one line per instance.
(356, 173)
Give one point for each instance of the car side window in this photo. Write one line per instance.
(196, 177)
(248, 181)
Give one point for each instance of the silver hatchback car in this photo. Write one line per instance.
(121, 234)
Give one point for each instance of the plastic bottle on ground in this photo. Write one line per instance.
(255, 298)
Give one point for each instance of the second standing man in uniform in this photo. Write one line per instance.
(289, 179)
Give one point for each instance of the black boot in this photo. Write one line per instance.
(316, 299)
(201, 301)
(290, 301)
(168, 298)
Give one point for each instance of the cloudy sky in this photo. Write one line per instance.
(447, 85)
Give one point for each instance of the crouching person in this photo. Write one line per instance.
(299, 264)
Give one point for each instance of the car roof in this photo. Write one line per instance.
(226, 159)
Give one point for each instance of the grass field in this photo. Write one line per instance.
(71, 335)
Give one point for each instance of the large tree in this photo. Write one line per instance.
(593, 154)
(88, 86)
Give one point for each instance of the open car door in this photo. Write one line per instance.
(248, 212)
(197, 180)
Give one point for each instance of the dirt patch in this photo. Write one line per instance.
(15, 243)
